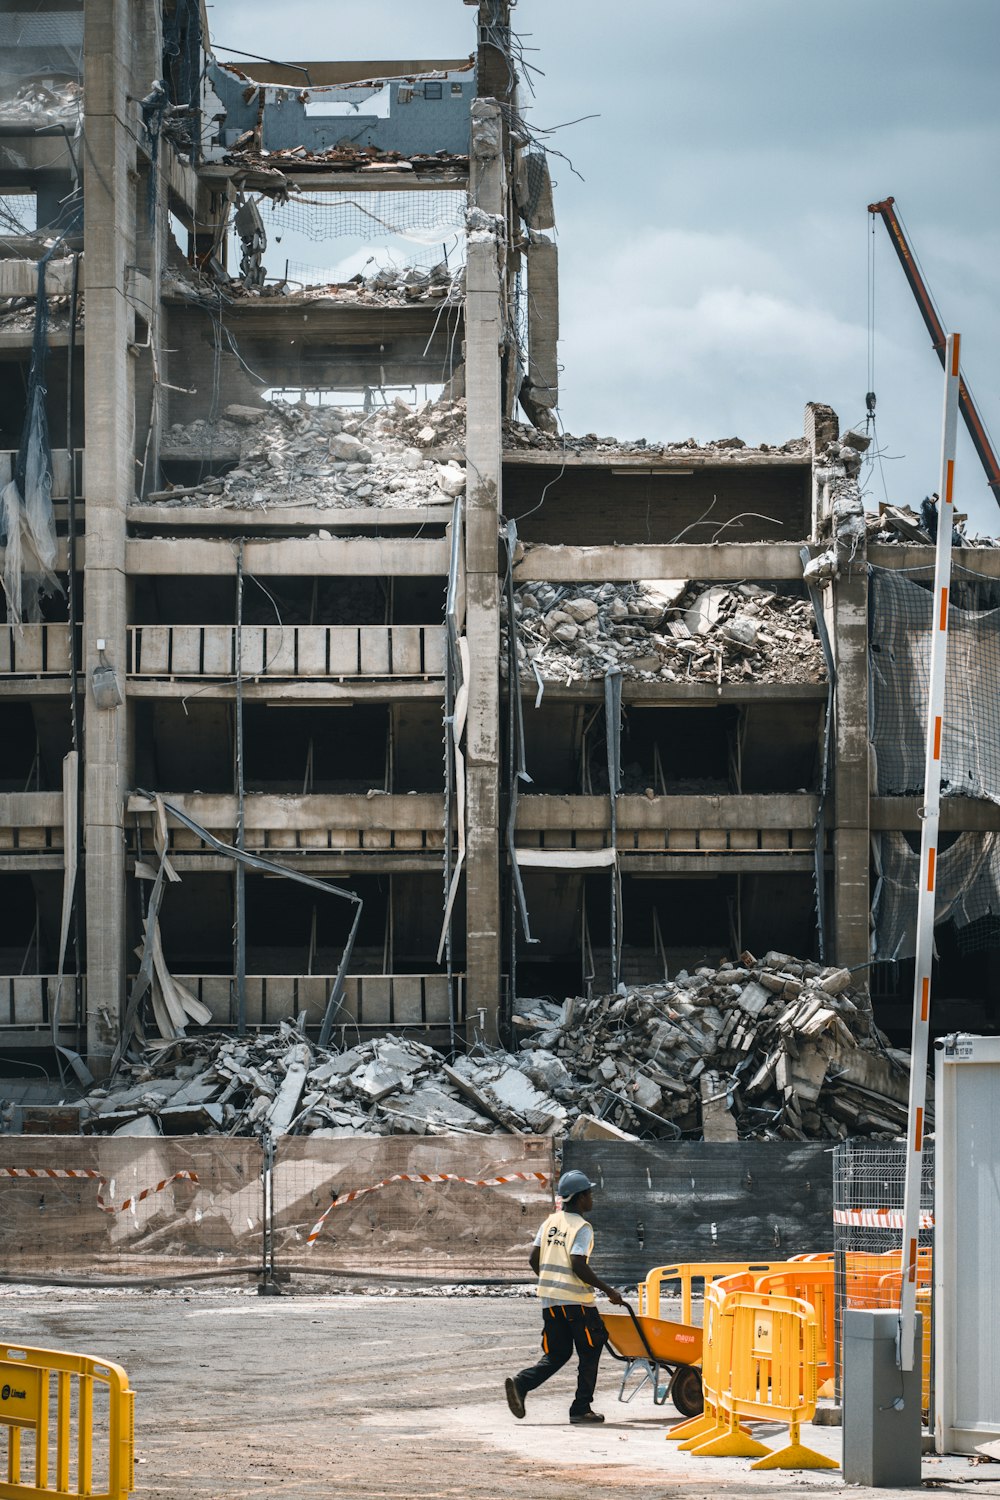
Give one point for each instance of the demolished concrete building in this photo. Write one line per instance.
(558, 717)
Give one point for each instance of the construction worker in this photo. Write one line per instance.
(559, 1258)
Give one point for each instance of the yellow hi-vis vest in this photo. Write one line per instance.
(557, 1281)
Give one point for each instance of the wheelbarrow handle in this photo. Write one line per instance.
(641, 1332)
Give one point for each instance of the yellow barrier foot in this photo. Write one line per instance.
(738, 1444)
(796, 1456)
(701, 1435)
(692, 1427)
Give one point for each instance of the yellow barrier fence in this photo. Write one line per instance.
(715, 1423)
(48, 1395)
(686, 1274)
(773, 1373)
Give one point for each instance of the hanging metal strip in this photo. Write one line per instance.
(268, 867)
(613, 739)
(819, 828)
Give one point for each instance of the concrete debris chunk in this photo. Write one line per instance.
(663, 630)
(767, 1049)
(328, 457)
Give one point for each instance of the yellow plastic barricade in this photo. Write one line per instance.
(717, 1428)
(812, 1282)
(686, 1273)
(27, 1390)
(773, 1372)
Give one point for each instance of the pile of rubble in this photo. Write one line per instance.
(17, 314)
(327, 456)
(762, 1050)
(44, 102)
(665, 630)
(768, 1050)
(901, 524)
(392, 286)
(246, 151)
(522, 435)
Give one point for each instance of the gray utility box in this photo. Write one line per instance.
(882, 1427)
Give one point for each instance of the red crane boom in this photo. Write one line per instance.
(966, 405)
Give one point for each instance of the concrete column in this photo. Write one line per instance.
(822, 427)
(851, 842)
(543, 330)
(847, 621)
(109, 229)
(484, 335)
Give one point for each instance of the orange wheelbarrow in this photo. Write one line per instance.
(665, 1354)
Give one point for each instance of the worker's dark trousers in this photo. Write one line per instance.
(564, 1329)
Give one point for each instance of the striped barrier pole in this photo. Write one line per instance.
(928, 861)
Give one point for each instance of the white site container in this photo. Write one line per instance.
(967, 1242)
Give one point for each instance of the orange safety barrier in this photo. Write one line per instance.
(772, 1377)
(26, 1399)
(874, 1280)
(812, 1282)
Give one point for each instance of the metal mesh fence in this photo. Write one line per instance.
(410, 1230)
(900, 647)
(415, 216)
(968, 885)
(102, 1207)
(868, 1186)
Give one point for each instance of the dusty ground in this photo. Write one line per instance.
(386, 1398)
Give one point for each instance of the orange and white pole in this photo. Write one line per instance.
(930, 817)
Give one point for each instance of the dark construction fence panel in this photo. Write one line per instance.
(210, 1218)
(410, 1230)
(665, 1201)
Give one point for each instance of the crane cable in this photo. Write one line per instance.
(870, 426)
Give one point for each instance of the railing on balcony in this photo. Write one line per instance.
(335, 651)
(26, 1002)
(711, 825)
(370, 1000)
(31, 821)
(34, 650)
(60, 471)
(349, 822)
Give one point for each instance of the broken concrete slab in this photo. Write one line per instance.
(286, 1102)
(590, 1128)
(671, 630)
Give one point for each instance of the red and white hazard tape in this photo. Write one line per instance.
(541, 1177)
(878, 1218)
(108, 1208)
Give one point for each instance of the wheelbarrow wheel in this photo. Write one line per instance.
(685, 1390)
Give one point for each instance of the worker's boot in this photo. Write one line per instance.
(515, 1396)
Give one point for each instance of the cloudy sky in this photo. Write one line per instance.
(714, 258)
